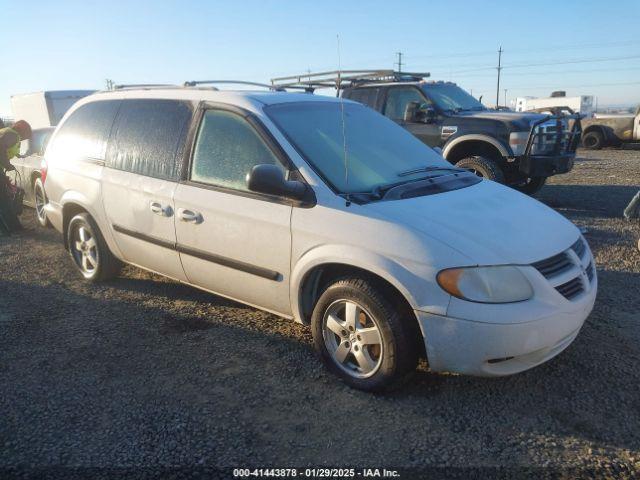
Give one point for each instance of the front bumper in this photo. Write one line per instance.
(499, 348)
(545, 166)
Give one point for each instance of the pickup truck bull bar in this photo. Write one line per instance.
(565, 141)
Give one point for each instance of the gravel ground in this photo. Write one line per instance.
(142, 372)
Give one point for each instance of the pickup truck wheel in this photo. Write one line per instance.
(593, 140)
(532, 185)
(360, 336)
(40, 200)
(482, 167)
(89, 251)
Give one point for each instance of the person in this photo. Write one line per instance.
(10, 138)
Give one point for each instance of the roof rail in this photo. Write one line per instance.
(142, 85)
(340, 79)
(195, 83)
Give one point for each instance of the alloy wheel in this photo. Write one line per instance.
(40, 201)
(85, 250)
(352, 338)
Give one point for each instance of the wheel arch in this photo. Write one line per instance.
(469, 145)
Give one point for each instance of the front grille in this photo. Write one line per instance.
(571, 289)
(554, 265)
(579, 247)
(556, 269)
(591, 271)
(550, 136)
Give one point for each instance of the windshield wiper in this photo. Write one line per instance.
(431, 168)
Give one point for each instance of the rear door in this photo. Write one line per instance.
(232, 241)
(143, 166)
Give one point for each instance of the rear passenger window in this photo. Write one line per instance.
(149, 136)
(227, 149)
(367, 96)
(85, 133)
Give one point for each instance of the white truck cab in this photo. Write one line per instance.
(325, 212)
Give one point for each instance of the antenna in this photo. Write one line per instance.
(344, 127)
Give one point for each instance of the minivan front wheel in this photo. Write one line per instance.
(89, 251)
(361, 338)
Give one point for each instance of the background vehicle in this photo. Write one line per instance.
(250, 195)
(45, 109)
(518, 149)
(603, 130)
(583, 104)
(28, 175)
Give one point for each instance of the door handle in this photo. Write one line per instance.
(190, 216)
(158, 209)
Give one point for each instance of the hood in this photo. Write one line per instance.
(487, 222)
(518, 120)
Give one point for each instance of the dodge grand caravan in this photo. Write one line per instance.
(325, 212)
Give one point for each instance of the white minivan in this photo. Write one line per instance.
(325, 212)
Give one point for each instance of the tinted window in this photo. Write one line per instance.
(399, 98)
(450, 97)
(368, 96)
(85, 133)
(148, 137)
(226, 149)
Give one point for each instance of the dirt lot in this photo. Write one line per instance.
(144, 372)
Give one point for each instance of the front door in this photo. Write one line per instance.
(231, 241)
(396, 104)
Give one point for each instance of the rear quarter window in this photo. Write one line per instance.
(85, 133)
(148, 137)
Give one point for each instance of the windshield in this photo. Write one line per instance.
(451, 98)
(378, 151)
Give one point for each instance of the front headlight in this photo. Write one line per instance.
(518, 142)
(502, 284)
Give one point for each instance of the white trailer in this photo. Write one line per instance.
(45, 109)
(584, 104)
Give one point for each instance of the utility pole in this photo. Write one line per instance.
(499, 69)
(109, 84)
(399, 62)
(505, 97)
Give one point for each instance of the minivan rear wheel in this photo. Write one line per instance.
(361, 338)
(40, 200)
(89, 251)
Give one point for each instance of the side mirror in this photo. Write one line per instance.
(414, 114)
(269, 179)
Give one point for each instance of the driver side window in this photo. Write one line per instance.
(399, 97)
(226, 150)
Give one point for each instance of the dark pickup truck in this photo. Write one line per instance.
(518, 149)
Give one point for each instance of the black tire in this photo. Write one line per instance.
(398, 349)
(483, 167)
(593, 140)
(40, 198)
(103, 265)
(532, 185)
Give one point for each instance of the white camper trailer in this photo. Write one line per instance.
(45, 109)
(584, 104)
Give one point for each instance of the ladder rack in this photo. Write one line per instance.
(340, 79)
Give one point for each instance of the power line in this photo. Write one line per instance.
(559, 72)
(564, 62)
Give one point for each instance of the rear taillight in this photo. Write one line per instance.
(43, 170)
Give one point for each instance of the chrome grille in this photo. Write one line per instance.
(570, 272)
(545, 136)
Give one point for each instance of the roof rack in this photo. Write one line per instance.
(195, 83)
(340, 79)
(142, 85)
